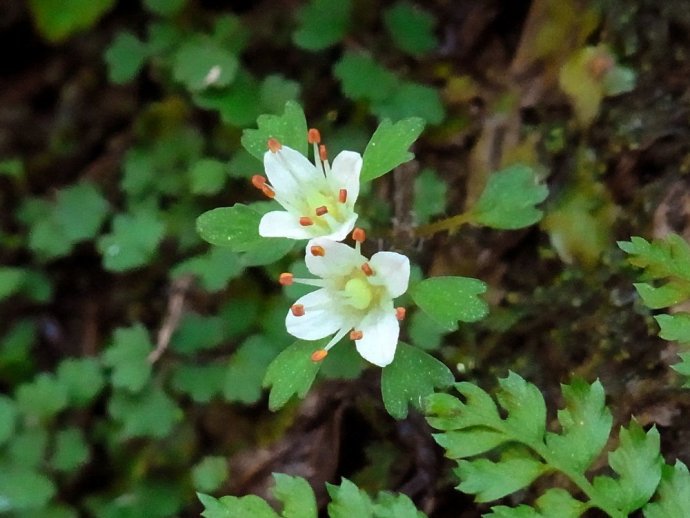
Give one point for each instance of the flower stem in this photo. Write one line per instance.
(450, 224)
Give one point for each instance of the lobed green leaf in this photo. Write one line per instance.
(290, 129)
(449, 299)
(388, 147)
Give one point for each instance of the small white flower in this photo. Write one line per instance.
(318, 198)
(354, 295)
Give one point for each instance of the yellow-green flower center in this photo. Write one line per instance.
(358, 293)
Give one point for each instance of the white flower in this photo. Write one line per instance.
(354, 295)
(318, 198)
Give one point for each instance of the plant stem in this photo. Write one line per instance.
(449, 224)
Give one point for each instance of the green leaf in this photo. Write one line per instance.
(197, 333)
(388, 147)
(267, 251)
(70, 450)
(429, 195)
(493, 480)
(411, 100)
(509, 198)
(389, 505)
(246, 370)
(663, 296)
(362, 78)
(210, 473)
(446, 412)
(83, 379)
(469, 442)
(683, 367)
(638, 463)
(292, 373)
(22, 488)
(28, 447)
(214, 269)
(44, 397)
(201, 63)
(8, 418)
(275, 91)
(150, 413)
(290, 129)
(296, 495)
(586, 424)
(411, 28)
(200, 382)
(674, 327)
(525, 406)
(673, 495)
(667, 257)
(164, 7)
(58, 21)
(11, 280)
(133, 241)
(249, 506)
(322, 23)
(125, 57)
(128, 357)
(347, 501)
(238, 104)
(236, 227)
(411, 377)
(558, 502)
(449, 299)
(207, 176)
(75, 201)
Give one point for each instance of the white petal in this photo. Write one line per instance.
(391, 270)
(338, 259)
(380, 330)
(321, 317)
(345, 174)
(339, 233)
(288, 172)
(279, 223)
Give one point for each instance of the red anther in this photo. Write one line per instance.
(297, 310)
(356, 335)
(359, 235)
(285, 279)
(268, 191)
(274, 145)
(320, 211)
(319, 355)
(342, 195)
(317, 251)
(323, 154)
(258, 181)
(367, 270)
(313, 136)
(400, 313)
(600, 64)
(305, 221)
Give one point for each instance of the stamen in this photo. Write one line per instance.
(313, 136)
(319, 355)
(274, 145)
(286, 279)
(400, 313)
(367, 270)
(306, 221)
(297, 310)
(258, 181)
(359, 235)
(356, 335)
(342, 195)
(320, 211)
(317, 251)
(268, 191)
(323, 153)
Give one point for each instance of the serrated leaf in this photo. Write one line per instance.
(667, 257)
(151, 413)
(469, 442)
(388, 147)
(249, 506)
(210, 473)
(275, 91)
(449, 299)
(70, 450)
(493, 480)
(199, 382)
(128, 357)
(83, 379)
(44, 397)
(586, 424)
(347, 501)
(362, 78)
(657, 297)
(290, 129)
(674, 327)
(638, 463)
(201, 63)
(132, 242)
(296, 495)
(322, 23)
(411, 377)
(125, 57)
(446, 412)
(214, 269)
(521, 511)
(246, 369)
(683, 367)
(673, 494)
(292, 372)
(411, 100)
(525, 406)
(555, 502)
(411, 28)
(197, 333)
(58, 21)
(22, 489)
(509, 198)
(389, 505)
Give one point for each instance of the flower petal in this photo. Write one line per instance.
(340, 232)
(380, 331)
(338, 259)
(288, 171)
(345, 174)
(279, 223)
(321, 316)
(391, 270)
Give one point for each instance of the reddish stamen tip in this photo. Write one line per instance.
(323, 154)
(317, 251)
(356, 335)
(258, 181)
(297, 310)
(359, 235)
(305, 221)
(367, 270)
(319, 355)
(400, 313)
(342, 195)
(285, 279)
(320, 211)
(313, 136)
(274, 145)
(268, 191)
